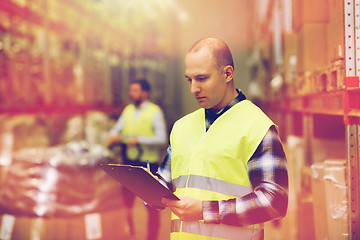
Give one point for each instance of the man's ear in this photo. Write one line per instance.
(229, 73)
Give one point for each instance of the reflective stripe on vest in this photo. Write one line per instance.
(216, 230)
(211, 184)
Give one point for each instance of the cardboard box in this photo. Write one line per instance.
(336, 10)
(336, 198)
(105, 225)
(306, 228)
(319, 200)
(290, 56)
(336, 30)
(309, 11)
(312, 49)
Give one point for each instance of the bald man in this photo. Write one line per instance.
(225, 160)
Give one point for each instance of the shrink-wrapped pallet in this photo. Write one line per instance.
(336, 198)
(60, 193)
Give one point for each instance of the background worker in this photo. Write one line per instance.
(225, 160)
(141, 129)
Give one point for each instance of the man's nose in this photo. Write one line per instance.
(194, 87)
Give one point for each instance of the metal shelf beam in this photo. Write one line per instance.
(352, 113)
(353, 180)
(344, 102)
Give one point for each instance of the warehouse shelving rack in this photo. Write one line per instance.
(343, 103)
(318, 94)
(83, 32)
(37, 14)
(352, 69)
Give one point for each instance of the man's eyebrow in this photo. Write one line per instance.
(197, 76)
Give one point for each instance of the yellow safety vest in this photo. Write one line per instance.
(212, 165)
(142, 126)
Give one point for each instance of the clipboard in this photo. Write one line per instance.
(140, 182)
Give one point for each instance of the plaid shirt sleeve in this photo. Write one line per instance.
(268, 176)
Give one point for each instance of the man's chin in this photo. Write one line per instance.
(203, 105)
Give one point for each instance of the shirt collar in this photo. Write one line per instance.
(211, 115)
(142, 105)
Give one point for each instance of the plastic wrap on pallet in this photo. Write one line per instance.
(319, 200)
(336, 198)
(58, 182)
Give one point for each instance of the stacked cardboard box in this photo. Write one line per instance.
(104, 225)
(313, 50)
(336, 198)
(336, 30)
(329, 199)
(310, 22)
(308, 11)
(290, 53)
(319, 200)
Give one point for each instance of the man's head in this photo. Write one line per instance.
(139, 91)
(209, 68)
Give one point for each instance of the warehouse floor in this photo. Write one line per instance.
(140, 221)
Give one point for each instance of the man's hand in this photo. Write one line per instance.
(187, 208)
(113, 139)
(132, 142)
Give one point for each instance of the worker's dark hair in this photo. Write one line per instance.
(145, 85)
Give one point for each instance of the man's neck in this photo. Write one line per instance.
(229, 98)
(138, 106)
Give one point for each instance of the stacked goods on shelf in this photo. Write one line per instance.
(319, 200)
(66, 83)
(40, 131)
(58, 53)
(325, 79)
(89, 226)
(336, 198)
(336, 31)
(22, 131)
(308, 11)
(21, 62)
(60, 193)
(305, 48)
(330, 199)
(97, 125)
(319, 27)
(306, 228)
(30, 72)
(290, 62)
(294, 149)
(336, 74)
(313, 51)
(320, 55)
(42, 62)
(57, 192)
(310, 20)
(318, 95)
(303, 84)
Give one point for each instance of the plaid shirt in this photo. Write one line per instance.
(267, 173)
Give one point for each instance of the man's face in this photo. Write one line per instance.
(136, 94)
(206, 82)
